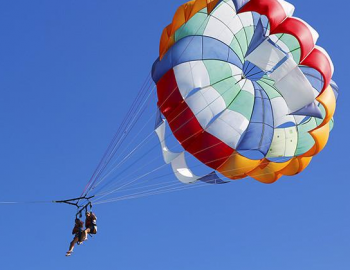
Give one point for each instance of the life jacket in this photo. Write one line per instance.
(90, 222)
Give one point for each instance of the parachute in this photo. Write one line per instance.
(244, 89)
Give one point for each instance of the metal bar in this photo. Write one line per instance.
(75, 199)
(75, 204)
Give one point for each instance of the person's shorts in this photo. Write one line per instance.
(79, 234)
(93, 229)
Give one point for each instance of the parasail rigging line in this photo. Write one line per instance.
(160, 157)
(113, 168)
(117, 165)
(107, 193)
(111, 156)
(168, 174)
(116, 134)
(156, 145)
(152, 193)
(119, 135)
(137, 186)
(225, 157)
(25, 202)
(134, 113)
(243, 151)
(147, 192)
(122, 198)
(94, 177)
(129, 128)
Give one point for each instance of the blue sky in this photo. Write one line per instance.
(69, 71)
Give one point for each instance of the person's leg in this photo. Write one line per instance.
(85, 234)
(80, 236)
(71, 246)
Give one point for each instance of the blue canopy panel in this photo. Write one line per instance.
(194, 48)
(239, 4)
(256, 141)
(256, 18)
(265, 22)
(335, 89)
(252, 72)
(314, 77)
(258, 37)
(213, 178)
(316, 80)
(311, 110)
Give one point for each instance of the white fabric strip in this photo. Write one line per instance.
(181, 170)
(282, 45)
(168, 155)
(236, 72)
(205, 104)
(266, 56)
(226, 15)
(191, 75)
(290, 82)
(246, 19)
(232, 5)
(224, 23)
(296, 90)
(281, 112)
(228, 127)
(224, 12)
(235, 24)
(177, 160)
(299, 119)
(283, 70)
(288, 8)
(218, 30)
(247, 85)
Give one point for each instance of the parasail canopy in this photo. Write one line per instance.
(244, 89)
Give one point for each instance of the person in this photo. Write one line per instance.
(78, 235)
(90, 224)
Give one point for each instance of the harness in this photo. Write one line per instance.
(81, 208)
